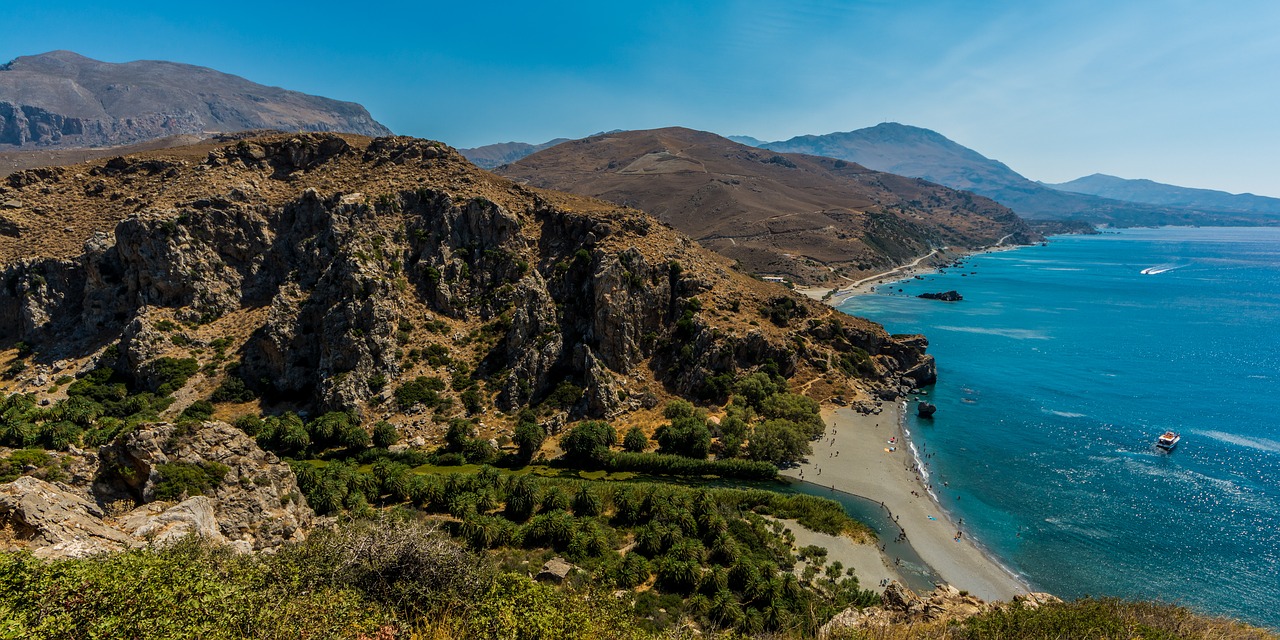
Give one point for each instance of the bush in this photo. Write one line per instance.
(564, 396)
(199, 410)
(171, 374)
(385, 434)
(178, 480)
(662, 464)
(587, 443)
(635, 441)
(421, 390)
(233, 388)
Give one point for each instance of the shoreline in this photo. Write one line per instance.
(854, 457)
(833, 296)
(866, 468)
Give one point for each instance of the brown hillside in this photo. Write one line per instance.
(325, 270)
(809, 218)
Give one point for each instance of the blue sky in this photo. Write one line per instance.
(1176, 91)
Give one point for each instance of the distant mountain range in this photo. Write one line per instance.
(496, 155)
(63, 99)
(913, 151)
(921, 153)
(809, 218)
(1156, 193)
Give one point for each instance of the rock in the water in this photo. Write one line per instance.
(945, 296)
(55, 522)
(926, 409)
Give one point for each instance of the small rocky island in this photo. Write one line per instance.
(945, 296)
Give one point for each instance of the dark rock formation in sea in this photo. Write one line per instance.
(945, 296)
(926, 409)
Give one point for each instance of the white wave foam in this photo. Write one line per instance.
(1016, 334)
(1261, 444)
(1064, 414)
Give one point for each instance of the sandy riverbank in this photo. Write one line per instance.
(864, 467)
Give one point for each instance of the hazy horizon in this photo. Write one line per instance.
(1173, 92)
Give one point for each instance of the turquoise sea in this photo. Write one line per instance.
(1055, 375)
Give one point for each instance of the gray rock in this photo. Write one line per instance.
(55, 522)
(555, 570)
(160, 523)
(258, 499)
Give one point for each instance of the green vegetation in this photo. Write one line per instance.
(100, 405)
(377, 580)
(422, 390)
(1104, 618)
(635, 441)
(587, 444)
(713, 543)
(181, 480)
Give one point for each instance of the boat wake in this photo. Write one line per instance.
(1160, 268)
(1261, 444)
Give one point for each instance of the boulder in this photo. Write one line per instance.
(555, 570)
(257, 500)
(926, 409)
(160, 523)
(55, 522)
(945, 296)
(901, 606)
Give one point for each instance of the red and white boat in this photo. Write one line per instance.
(1168, 440)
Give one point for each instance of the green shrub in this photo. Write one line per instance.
(171, 374)
(587, 443)
(635, 441)
(199, 410)
(178, 480)
(385, 434)
(421, 390)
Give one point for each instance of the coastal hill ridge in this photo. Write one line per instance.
(919, 152)
(1161, 194)
(812, 220)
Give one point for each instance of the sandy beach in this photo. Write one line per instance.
(927, 263)
(866, 467)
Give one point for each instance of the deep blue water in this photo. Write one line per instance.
(1056, 373)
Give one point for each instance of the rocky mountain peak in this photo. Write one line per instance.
(63, 99)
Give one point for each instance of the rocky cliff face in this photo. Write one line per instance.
(329, 269)
(64, 99)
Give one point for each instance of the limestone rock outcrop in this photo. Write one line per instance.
(257, 502)
(901, 606)
(56, 522)
(256, 505)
